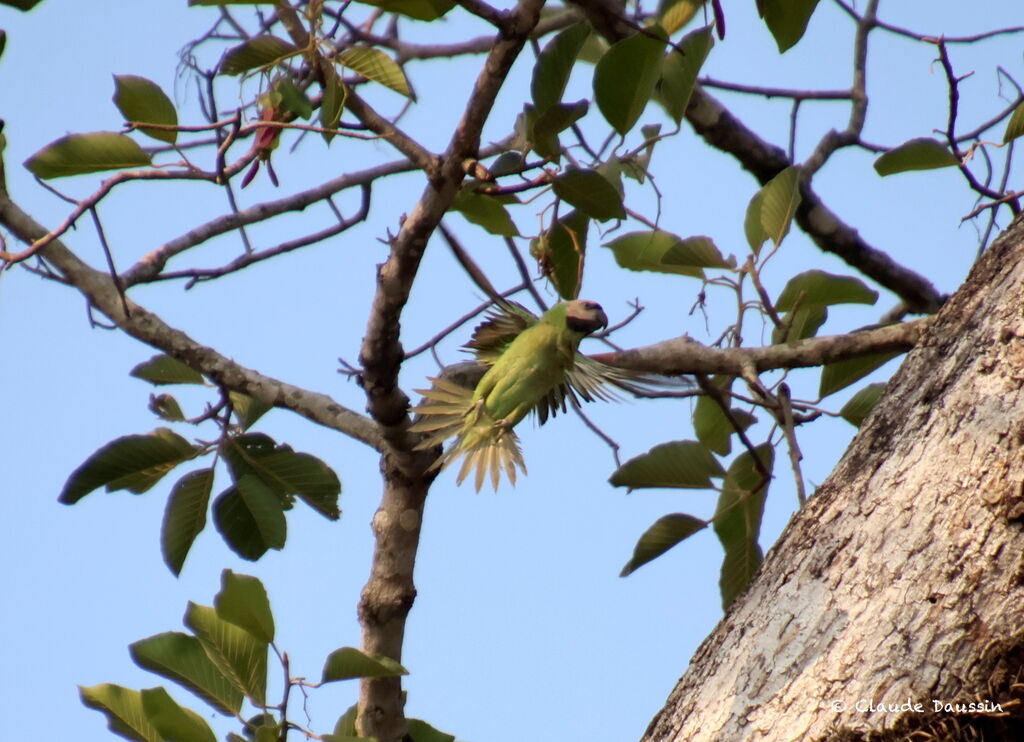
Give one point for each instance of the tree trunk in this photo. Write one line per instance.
(900, 584)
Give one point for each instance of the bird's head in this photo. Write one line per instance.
(584, 316)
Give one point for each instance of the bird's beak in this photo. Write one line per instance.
(588, 321)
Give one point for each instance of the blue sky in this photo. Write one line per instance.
(521, 622)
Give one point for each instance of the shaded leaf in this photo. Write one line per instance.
(163, 369)
(21, 4)
(243, 601)
(484, 211)
(1015, 126)
(712, 427)
(779, 198)
(332, 104)
(752, 227)
(166, 407)
(77, 154)
(803, 322)
(123, 709)
(694, 252)
(240, 656)
(666, 532)
(421, 731)
(674, 14)
(679, 70)
(261, 51)
(247, 409)
(543, 126)
(421, 10)
(375, 65)
(348, 663)
(787, 19)
(591, 193)
(554, 65)
(286, 96)
(643, 251)
(185, 517)
(174, 723)
(181, 658)
(818, 288)
(561, 252)
(860, 405)
(250, 517)
(625, 77)
(133, 462)
(839, 375)
(923, 153)
(685, 464)
(142, 100)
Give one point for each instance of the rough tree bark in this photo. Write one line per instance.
(902, 580)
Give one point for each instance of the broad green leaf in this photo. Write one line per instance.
(166, 407)
(243, 601)
(591, 193)
(554, 65)
(262, 728)
(123, 709)
(543, 127)
(839, 375)
(712, 427)
(421, 731)
(250, 517)
(694, 252)
(247, 409)
(21, 4)
(803, 322)
(173, 722)
(679, 70)
(286, 96)
(185, 517)
(643, 251)
(752, 227)
(779, 198)
(507, 163)
(181, 658)
(1015, 126)
(923, 153)
(332, 104)
(685, 464)
(239, 655)
(737, 521)
(666, 532)
(787, 19)
(421, 10)
(131, 462)
(3, 40)
(77, 154)
(348, 663)
(484, 211)
(819, 288)
(142, 100)
(375, 65)
(862, 403)
(634, 166)
(255, 53)
(625, 78)
(561, 252)
(345, 727)
(163, 369)
(674, 14)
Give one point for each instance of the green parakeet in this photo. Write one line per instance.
(535, 366)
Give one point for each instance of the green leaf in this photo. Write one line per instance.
(643, 251)
(21, 4)
(803, 322)
(679, 70)
(421, 10)
(685, 464)
(554, 65)
(818, 288)
(240, 656)
(181, 658)
(666, 532)
(737, 521)
(247, 409)
(674, 14)
(250, 517)
(839, 375)
(591, 193)
(625, 78)
(345, 727)
(255, 53)
(163, 369)
(332, 104)
(348, 663)
(375, 65)
(166, 407)
(543, 127)
(262, 727)
(923, 153)
(142, 100)
(561, 252)
(133, 462)
(173, 722)
(712, 427)
(696, 253)
(123, 709)
(243, 601)
(484, 211)
(752, 227)
(787, 19)
(286, 96)
(421, 731)
(185, 517)
(860, 405)
(77, 154)
(778, 201)
(1015, 126)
